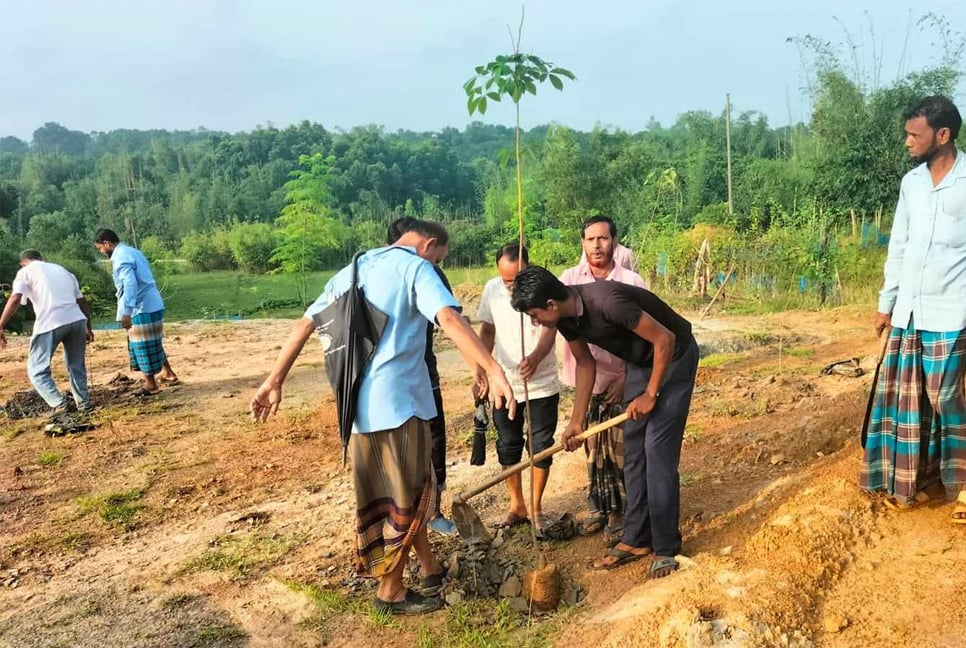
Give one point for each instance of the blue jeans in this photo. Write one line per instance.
(42, 347)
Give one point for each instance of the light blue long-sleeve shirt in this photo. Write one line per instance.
(925, 271)
(136, 290)
(395, 384)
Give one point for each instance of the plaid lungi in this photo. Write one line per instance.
(917, 431)
(395, 488)
(605, 459)
(144, 342)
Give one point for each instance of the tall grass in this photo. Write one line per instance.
(779, 269)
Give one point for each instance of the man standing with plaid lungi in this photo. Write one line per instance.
(140, 311)
(390, 444)
(916, 446)
(606, 494)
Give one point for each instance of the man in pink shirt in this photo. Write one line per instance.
(623, 256)
(605, 454)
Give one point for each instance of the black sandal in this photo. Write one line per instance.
(432, 585)
(413, 604)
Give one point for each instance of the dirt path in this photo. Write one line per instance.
(179, 523)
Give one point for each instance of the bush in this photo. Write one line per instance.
(51, 233)
(208, 252)
(154, 249)
(9, 265)
(252, 245)
(96, 284)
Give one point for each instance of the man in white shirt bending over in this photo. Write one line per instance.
(63, 317)
(501, 333)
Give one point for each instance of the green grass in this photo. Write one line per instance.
(218, 635)
(221, 293)
(177, 601)
(481, 624)
(13, 430)
(719, 359)
(801, 352)
(117, 509)
(240, 555)
(329, 604)
(50, 458)
(693, 432)
(200, 295)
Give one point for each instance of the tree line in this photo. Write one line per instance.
(305, 197)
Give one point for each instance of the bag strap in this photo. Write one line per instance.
(355, 269)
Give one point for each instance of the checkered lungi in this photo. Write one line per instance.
(605, 459)
(917, 431)
(395, 489)
(144, 342)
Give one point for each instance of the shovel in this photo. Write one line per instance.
(883, 343)
(468, 523)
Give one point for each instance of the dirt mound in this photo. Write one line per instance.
(25, 404)
(29, 404)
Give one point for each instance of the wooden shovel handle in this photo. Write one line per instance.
(552, 450)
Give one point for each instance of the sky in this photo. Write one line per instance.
(233, 65)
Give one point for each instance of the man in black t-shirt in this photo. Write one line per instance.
(661, 359)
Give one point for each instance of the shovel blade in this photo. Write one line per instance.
(469, 524)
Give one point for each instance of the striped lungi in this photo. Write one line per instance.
(605, 459)
(144, 342)
(395, 488)
(917, 431)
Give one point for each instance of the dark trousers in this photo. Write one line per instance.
(652, 452)
(510, 439)
(437, 431)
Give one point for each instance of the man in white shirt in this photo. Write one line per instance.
(606, 494)
(62, 317)
(916, 443)
(501, 333)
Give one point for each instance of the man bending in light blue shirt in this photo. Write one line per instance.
(916, 444)
(390, 444)
(140, 311)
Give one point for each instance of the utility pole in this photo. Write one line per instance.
(731, 199)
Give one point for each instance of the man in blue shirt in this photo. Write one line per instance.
(437, 426)
(395, 486)
(140, 310)
(916, 445)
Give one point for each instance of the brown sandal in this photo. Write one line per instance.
(511, 520)
(959, 513)
(902, 506)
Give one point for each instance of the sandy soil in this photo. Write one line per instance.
(178, 522)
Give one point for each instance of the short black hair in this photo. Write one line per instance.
(106, 236)
(427, 228)
(534, 286)
(31, 255)
(600, 218)
(397, 228)
(512, 252)
(939, 112)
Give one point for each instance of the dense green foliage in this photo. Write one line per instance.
(303, 198)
